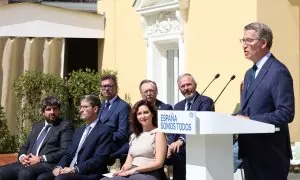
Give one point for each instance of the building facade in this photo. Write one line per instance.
(161, 39)
(154, 39)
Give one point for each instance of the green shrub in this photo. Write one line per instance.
(30, 89)
(33, 86)
(8, 143)
(80, 83)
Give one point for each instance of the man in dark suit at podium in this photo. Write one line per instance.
(47, 143)
(193, 102)
(267, 96)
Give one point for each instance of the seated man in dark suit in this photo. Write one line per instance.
(114, 113)
(193, 102)
(47, 143)
(149, 91)
(87, 156)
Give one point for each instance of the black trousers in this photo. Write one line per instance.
(265, 170)
(179, 166)
(18, 171)
(70, 176)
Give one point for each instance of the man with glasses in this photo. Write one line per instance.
(193, 102)
(88, 153)
(149, 91)
(267, 96)
(114, 112)
(47, 143)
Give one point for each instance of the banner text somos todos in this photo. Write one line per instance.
(177, 122)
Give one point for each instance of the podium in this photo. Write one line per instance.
(209, 140)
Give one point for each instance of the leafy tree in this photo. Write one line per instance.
(8, 143)
(30, 89)
(80, 83)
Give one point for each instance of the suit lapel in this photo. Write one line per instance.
(181, 106)
(50, 132)
(90, 136)
(158, 104)
(246, 83)
(111, 110)
(101, 108)
(263, 71)
(80, 134)
(196, 102)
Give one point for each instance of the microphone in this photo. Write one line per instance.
(216, 77)
(231, 78)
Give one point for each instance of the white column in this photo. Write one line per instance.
(52, 56)
(62, 57)
(13, 64)
(2, 45)
(33, 54)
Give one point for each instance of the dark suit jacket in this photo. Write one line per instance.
(269, 99)
(162, 106)
(93, 155)
(117, 119)
(55, 143)
(201, 103)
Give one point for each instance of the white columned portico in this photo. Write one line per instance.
(32, 37)
(163, 22)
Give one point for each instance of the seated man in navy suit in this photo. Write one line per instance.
(88, 154)
(47, 143)
(114, 112)
(193, 102)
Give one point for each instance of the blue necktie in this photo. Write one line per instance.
(252, 77)
(40, 139)
(188, 106)
(105, 110)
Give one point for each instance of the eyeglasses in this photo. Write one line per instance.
(248, 41)
(85, 107)
(107, 86)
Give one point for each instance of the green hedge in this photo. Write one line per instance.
(8, 143)
(33, 86)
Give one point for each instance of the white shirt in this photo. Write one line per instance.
(111, 101)
(191, 101)
(261, 62)
(45, 158)
(93, 124)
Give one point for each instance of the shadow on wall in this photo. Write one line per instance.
(296, 3)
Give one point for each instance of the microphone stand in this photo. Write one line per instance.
(232, 78)
(216, 77)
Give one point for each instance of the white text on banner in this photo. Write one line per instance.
(177, 122)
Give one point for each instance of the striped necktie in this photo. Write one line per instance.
(40, 139)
